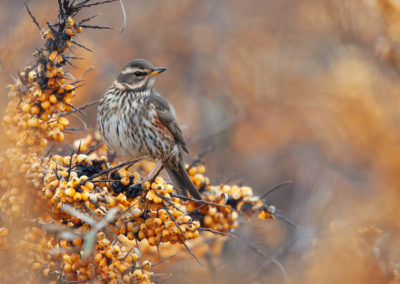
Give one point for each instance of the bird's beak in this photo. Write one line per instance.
(157, 70)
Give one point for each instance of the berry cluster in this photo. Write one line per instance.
(82, 217)
(40, 93)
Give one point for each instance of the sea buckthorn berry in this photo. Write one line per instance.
(98, 257)
(36, 266)
(53, 55)
(141, 235)
(137, 273)
(146, 265)
(157, 199)
(45, 105)
(16, 210)
(70, 192)
(77, 196)
(3, 232)
(74, 257)
(77, 242)
(134, 256)
(192, 171)
(26, 108)
(45, 272)
(201, 169)
(67, 267)
(33, 122)
(53, 99)
(69, 87)
(157, 222)
(63, 121)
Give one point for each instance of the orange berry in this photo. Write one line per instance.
(53, 55)
(70, 192)
(77, 242)
(36, 266)
(26, 108)
(157, 222)
(45, 104)
(16, 210)
(192, 171)
(69, 87)
(33, 122)
(3, 232)
(63, 121)
(67, 267)
(78, 196)
(74, 257)
(201, 169)
(53, 99)
(98, 257)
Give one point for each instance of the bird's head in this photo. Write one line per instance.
(138, 75)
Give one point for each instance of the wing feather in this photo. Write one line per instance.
(167, 118)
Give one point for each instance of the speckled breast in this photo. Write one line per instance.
(129, 126)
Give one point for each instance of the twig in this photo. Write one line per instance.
(123, 15)
(110, 169)
(70, 165)
(201, 155)
(273, 260)
(208, 203)
(33, 18)
(105, 227)
(86, 20)
(96, 27)
(163, 260)
(285, 219)
(183, 234)
(94, 148)
(217, 232)
(275, 187)
(95, 4)
(192, 253)
(80, 45)
(75, 109)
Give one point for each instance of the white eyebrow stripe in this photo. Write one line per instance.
(130, 70)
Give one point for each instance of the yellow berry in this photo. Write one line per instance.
(53, 99)
(70, 192)
(201, 169)
(35, 110)
(63, 121)
(192, 171)
(36, 266)
(3, 232)
(53, 55)
(45, 104)
(16, 210)
(33, 122)
(78, 196)
(26, 108)
(77, 242)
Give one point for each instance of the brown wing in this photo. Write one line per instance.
(166, 116)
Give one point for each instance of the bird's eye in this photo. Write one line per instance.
(138, 73)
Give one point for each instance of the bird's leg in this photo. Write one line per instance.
(154, 172)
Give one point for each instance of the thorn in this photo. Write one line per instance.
(80, 45)
(33, 18)
(275, 187)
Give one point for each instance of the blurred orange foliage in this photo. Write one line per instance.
(304, 90)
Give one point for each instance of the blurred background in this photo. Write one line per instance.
(300, 90)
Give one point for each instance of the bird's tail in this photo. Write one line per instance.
(181, 181)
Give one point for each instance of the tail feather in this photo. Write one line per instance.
(182, 182)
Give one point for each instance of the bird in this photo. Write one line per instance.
(136, 121)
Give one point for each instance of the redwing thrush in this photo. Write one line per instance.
(136, 121)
